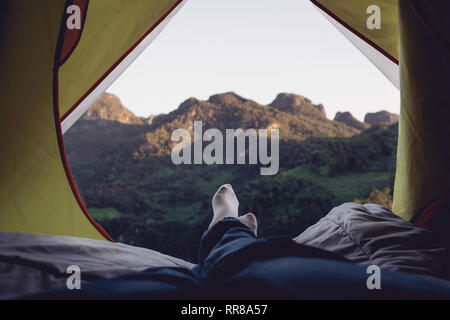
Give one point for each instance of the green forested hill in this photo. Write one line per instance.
(123, 169)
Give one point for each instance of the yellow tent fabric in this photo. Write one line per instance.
(45, 72)
(423, 155)
(353, 15)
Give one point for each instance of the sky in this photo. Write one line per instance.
(256, 48)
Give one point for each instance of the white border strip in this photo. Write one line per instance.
(108, 81)
(386, 66)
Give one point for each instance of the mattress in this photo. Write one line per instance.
(31, 263)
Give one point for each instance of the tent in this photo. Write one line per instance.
(57, 57)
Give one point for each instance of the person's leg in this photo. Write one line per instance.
(223, 239)
(230, 243)
(227, 232)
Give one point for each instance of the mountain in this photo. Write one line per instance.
(348, 119)
(106, 124)
(109, 107)
(229, 110)
(123, 170)
(297, 118)
(153, 119)
(381, 117)
(370, 120)
(298, 105)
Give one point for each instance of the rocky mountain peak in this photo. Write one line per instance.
(187, 104)
(381, 117)
(227, 99)
(109, 107)
(296, 104)
(348, 119)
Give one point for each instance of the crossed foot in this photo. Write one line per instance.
(225, 204)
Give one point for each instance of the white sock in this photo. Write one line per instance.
(250, 221)
(225, 204)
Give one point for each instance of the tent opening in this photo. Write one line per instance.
(334, 145)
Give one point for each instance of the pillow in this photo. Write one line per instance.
(372, 235)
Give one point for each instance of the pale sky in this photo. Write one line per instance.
(256, 48)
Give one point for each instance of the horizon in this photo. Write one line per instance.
(247, 98)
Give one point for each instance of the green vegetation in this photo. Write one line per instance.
(382, 197)
(101, 214)
(167, 207)
(345, 187)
